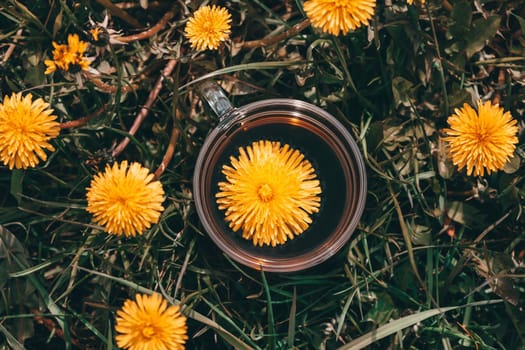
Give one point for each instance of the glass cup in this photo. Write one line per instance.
(325, 143)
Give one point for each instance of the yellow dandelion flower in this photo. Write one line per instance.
(101, 34)
(482, 140)
(125, 200)
(270, 193)
(50, 66)
(421, 2)
(68, 57)
(60, 59)
(149, 323)
(77, 48)
(26, 126)
(98, 34)
(339, 16)
(208, 27)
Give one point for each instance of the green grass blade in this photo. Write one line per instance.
(109, 344)
(271, 321)
(89, 326)
(402, 323)
(239, 344)
(53, 308)
(243, 67)
(227, 336)
(291, 322)
(35, 268)
(14, 344)
(341, 318)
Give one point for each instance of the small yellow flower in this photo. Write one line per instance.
(270, 192)
(68, 57)
(60, 59)
(97, 34)
(339, 16)
(26, 126)
(149, 323)
(485, 139)
(102, 35)
(208, 27)
(125, 200)
(421, 2)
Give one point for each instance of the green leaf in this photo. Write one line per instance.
(458, 97)
(463, 213)
(17, 294)
(482, 31)
(58, 22)
(420, 234)
(521, 21)
(382, 311)
(14, 250)
(9, 245)
(402, 91)
(460, 20)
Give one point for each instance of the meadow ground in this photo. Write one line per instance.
(437, 260)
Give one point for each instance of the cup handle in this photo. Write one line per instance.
(215, 97)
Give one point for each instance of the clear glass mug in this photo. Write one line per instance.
(323, 140)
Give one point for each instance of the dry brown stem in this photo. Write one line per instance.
(132, 5)
(84, 120)
(143, 113)
(269, 40)
(496, 99)
(11, 47)
(169, 152)
(109, 88)
(447, 5)
(53, 327)
(151, 31)
(117, 11)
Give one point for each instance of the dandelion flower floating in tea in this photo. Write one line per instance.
(339, 16)
(481, 140)
(26, 126)
(125, 199)
(209, 26)
(149, 323)
(68, 57)
(270, 193)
